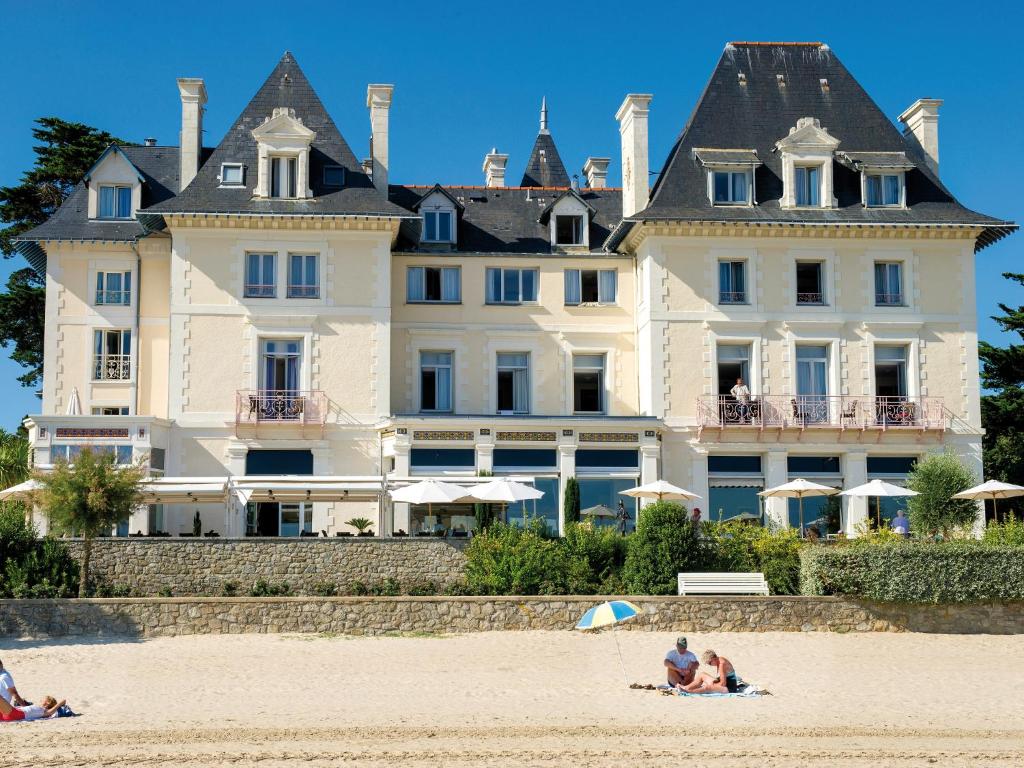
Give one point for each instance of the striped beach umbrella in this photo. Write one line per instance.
(610, 614)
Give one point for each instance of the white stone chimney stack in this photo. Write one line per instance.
(921, 125)
(494, 168)
(378, 100)
(632, 117)
(596, 171)
(193, 99)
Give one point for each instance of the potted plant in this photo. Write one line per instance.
(361, 524)
(197, 525)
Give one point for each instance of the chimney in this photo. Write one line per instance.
(494, 168)
(596, 171)
(193, 99)
(921, 126)
(378, 99)
(632, 117)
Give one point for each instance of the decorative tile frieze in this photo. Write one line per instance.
(609, 437)
(536, 437)
(431, 434)
(80, 432)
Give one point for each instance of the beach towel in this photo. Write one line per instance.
(746, 691)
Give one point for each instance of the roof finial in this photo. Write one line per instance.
(544, 114)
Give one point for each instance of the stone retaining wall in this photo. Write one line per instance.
(149, 617)
(202, 567)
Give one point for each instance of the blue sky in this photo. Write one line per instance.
(470, 76)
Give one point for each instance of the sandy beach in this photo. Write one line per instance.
(539, 698)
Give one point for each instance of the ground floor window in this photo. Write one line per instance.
(156, 518)
(891, 469)
(279, 519)
(735, 502)
(441, 519)
(547, 508)
(822, 513)
(434, 459)
(607, 492)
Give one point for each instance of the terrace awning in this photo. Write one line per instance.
(292, 488)
(185, 490)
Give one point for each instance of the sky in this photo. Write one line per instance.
(470, 76)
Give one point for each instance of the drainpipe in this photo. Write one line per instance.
(135, 330)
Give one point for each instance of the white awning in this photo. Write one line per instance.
(291, 488)
(185, 490)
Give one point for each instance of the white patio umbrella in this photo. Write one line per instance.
(74, 403)
(504, 491)
(598, 510)
(798, 489)
(660, 490)
(878, 489)
(21, 491)
(429, 492)
(991, 489)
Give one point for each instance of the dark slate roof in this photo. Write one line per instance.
(756, 113)
(506, 219)
(287, 87)
(879, 160)
(545, 168)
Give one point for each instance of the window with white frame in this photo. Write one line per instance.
(334, 176)
(232, 174)
(569, 230)
(260, 275)
(732, 282)
(303, 276)
(511, 286)
(433, 284)
(590, 286)
(284, 173)
(437, 227)
(109, 410)
(513, 382)
(807, 179)
(810, 282)
(112, 354)
(883, 190)
(113, 288)
(436, 381)
(588, 383)
(889, 284)
(115, 202)
(730, 187)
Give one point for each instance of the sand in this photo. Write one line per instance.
(525, 699)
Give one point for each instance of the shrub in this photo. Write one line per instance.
(325, 589)
(915, 571)
(595, 556)
(665, 544)
(571, 502)
(261, 588)
(358, 589)
(423, 589)
(106, 589)
(739, 547)
(936, 478)
(230, 589)
(1009, 533)
(165, 591)
(360, 523)
(32, 567)
(508, 560)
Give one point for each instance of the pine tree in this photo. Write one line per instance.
(571, 504)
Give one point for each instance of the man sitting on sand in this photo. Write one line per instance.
(681, 664)
(7, 690)
(48, 708)
(721, 680)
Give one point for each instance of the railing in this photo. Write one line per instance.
(280, 406)
(122, 298)
(888, 299)
(112, 367)
(254, 291)
(806, 411)
(732, 297)
(808, 297)
(303, 291)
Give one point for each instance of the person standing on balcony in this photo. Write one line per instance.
(742, 395)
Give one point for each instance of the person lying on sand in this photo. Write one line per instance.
(723, 680)
(681, 664)
(48, 708)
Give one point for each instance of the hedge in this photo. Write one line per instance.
(915, 572)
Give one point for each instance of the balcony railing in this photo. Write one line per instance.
(119, 298)
(732, 297)
(808, 411)
(888, 299)
(259, 291)
(810, 297)
(280, 406)
(112, 367)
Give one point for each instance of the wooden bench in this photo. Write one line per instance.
(722, 584)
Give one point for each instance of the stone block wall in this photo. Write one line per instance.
(191, 567)
(149, 617)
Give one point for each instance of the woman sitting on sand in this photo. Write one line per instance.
(48, 708)
(723, 681)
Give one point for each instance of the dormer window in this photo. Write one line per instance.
(883, 190)
(730, 174)
(283, 143)
(567, 218)
(437, 226)
(334, 176)
(569, 230)
(232, 174)
(807, 160)
(730, 187)
(806, 180)
(115, 202)
(283, 176)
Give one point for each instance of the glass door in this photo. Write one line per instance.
(279, 396)
(295, 519)
(811, 403)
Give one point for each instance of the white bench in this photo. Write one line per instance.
(722, 584)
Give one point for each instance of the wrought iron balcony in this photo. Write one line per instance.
(810, 297)
(112, 367)
(888, 299)
(732, 297)
(280, 406)
(816, 411)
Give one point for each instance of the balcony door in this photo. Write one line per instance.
(891, 372)
(811, 403)
(733, 364)
(280, 368)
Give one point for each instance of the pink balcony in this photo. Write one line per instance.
(815, 412)
(284, 407)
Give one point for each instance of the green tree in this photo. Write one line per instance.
(14, 452)
(1002, 412)
(65, 151)
(483, 511)
(571, 503)
(933, 511)
(89, 497)
(665, 544)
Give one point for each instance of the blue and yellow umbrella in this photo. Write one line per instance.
(610, 614)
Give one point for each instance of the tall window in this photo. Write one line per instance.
(891, 371)
(437, 226)
(810, 282)
(568, 230)
(513, 382)
(732, 283)
(435, 381)
(730, 187)
(811, 404)
(282, 362)
(733, 364)
(303, 276)
(260, 279)
(114, 288)
(807, 185)
(883, 190)
(441, 284)
(283, 176)
(590, 286)
(588, 383)
(112, 354)
(115, 202)
(511, 286)
(888, 284)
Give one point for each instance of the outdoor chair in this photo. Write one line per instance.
(850, 411)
